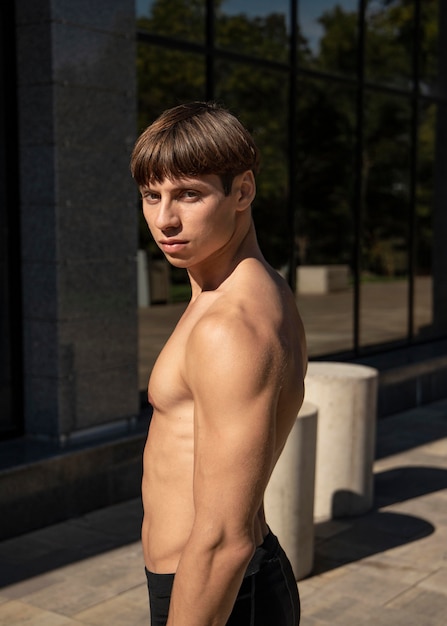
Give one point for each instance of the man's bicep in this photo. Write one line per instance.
(232, 466)
(235, 392)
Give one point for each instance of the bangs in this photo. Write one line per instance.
(175, 154)
(193, 146)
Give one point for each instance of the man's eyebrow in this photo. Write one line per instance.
(178, 186)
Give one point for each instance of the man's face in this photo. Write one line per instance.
(190, 219)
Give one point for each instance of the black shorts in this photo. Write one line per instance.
(268, 595)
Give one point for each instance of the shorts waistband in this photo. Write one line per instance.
(264, 553)
(160, 584)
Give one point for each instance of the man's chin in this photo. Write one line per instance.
(177, 262)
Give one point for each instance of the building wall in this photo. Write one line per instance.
(77, 120)
(77, 110)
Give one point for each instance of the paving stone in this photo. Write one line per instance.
(17, 613)
(129, 608)
(308, 620)
(427, 605)
(31, 585)
(431, 551)
(69, 597)
(386, 616)
(387, 564)
(436, 582)
(306, 588)
(116, 571)
(365, 587)
(333, 607)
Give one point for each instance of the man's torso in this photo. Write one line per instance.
(256, 294)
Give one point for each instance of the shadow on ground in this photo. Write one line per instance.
(406, 483)
(348, 539)
(62, 544)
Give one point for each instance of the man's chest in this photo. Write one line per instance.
(168, 391)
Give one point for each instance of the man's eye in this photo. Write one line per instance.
(189, 194)
(150, 197)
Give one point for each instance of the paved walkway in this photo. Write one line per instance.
(388, 567)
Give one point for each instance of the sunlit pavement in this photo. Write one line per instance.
(386, 567)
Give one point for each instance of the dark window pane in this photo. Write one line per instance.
(324, 235)
(390, 35)
(328, 31)
(432, 222)
(166, 77)
(386, 184)
(6, 386)
(432, 51)
(254, 28)
(325, 171)
(259, 98)
(179, 19)
(423, 302)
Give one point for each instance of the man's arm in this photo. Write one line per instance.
(234, 375)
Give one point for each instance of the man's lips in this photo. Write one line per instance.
(172, 245)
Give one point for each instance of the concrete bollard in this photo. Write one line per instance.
(346, 396)
(289, 497)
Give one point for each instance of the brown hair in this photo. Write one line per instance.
(191, 140)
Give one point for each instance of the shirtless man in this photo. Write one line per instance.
(226, 387)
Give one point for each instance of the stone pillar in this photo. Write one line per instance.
(289, 497)
(77, 119)
(346, 396)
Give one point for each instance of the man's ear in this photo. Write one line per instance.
(245, 189)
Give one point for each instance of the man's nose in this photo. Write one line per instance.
(167, 217)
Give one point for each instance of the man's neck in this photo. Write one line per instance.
(210, 275)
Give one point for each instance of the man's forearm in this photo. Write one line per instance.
(206, 585)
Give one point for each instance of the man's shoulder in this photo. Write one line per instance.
(255, 309)
(226, 317)
(227, 350)
(233, 328)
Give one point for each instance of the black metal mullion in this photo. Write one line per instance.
(210, 83)
(358, 187)
(413, 170)
(292, 145)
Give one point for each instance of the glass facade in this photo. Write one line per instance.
(347, 101)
